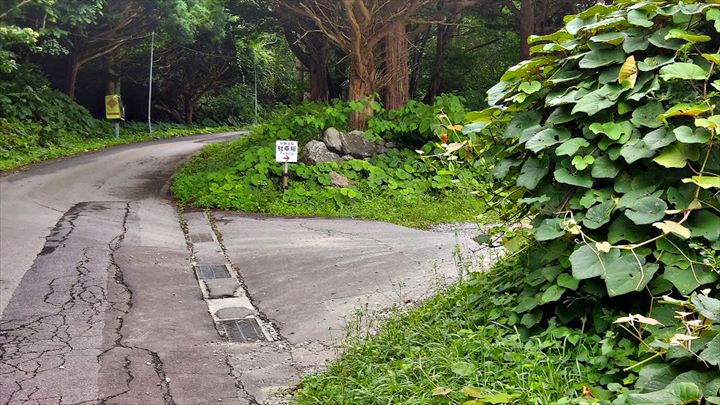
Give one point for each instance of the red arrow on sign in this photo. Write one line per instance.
(286, 157)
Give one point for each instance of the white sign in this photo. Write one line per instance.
(286, 151)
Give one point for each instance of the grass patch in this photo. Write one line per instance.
(398, 187)
(14, 154)
(451, 349)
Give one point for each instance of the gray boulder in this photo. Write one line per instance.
(315, 152)
(355, 144)
(338, 180)
(332, 139)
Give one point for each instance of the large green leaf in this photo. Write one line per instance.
(659, 138)
(686, 36)
(707, 306)
(604, 168)
(714, 15)
(639, 17)
(656, 376)
(704, 223)
(622, 229)
(706, 182)
(549, 228)
(688, 280)
(574, 179)
(685, 109)
(654, 62)
(635, 150)
(612, 38)
(547, 137)
(521, 122)
(532, 172)
(673, 157)
(498, 92)
(599, 99)
(598, 215)
(684, 71)
(647, 115)
(588, 262)
(567, 281)
(625, 274)
(646, 210)
(658, 39)
(711, 354)
(552, 294)
(642, 91)
(612, 130)
(569, 147)
(635, 43)
(686, 134)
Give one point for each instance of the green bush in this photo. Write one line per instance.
(611, 135)
(399, 186)
(26, 97)
(233, 106)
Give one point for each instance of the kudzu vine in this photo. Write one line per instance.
(610, 134)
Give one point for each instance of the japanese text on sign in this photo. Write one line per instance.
(286, 151)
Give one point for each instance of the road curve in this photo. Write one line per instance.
(33, 199)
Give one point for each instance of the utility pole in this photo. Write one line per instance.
(255, 120)
(150, 81)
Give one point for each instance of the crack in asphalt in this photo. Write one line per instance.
(31, 347)
(34, 348)
(52, 242)
(126, 295)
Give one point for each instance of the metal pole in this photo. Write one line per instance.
(286, 175)
(117, 128)
(152, 51)
(255, 120)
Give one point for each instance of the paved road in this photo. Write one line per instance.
(98, 296)
(107, 299)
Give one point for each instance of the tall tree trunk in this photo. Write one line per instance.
(416, 64)
(319, 88)
(397, 90)
(189, 108)
(315, 58)
(71, 77)
(445, 35)
(527, 26)
(361, 86)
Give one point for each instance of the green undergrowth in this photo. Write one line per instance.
(19, 146)
(453, 349)
(400, 186)
(38, 123)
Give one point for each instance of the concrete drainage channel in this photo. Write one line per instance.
(236, 318)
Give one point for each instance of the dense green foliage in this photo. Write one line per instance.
(39, 123)
(398, 186)
(611, 135)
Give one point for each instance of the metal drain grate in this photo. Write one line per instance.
(244, 330)
(212, 271)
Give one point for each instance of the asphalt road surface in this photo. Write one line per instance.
(99, 302)
(109, 295)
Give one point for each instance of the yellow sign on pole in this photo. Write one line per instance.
(112, 107)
